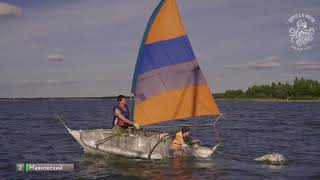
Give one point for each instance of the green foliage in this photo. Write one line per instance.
(300, 89)
(233, 93)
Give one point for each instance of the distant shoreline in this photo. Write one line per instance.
(217, 98)
(267, 100)
(301, 90)
(52, 98)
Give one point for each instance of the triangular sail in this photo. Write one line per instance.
(168, 83)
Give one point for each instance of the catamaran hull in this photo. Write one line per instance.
(140, 145)
(104, 150)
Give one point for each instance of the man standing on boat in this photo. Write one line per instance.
(121, 116)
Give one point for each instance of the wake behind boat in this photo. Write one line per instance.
(167, 85)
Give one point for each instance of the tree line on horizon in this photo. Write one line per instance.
(304, 89)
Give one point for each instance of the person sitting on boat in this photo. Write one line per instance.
(180, 138)
(121, 116)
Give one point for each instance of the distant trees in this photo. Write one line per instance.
(300, 89)
(233, 93)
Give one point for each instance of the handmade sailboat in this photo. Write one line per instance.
(167, 85)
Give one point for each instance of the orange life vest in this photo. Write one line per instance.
(177, 141)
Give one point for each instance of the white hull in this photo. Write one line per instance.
(140, 144)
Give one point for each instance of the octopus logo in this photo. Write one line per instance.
(301, 31)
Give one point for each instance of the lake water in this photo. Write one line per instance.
(31, 133)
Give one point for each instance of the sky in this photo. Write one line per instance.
(82, 48)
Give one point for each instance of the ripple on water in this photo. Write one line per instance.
(30, 133)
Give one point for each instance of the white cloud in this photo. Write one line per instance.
(64, 82)
(294, 75)
(238, 66)
(269, 62)
(23, 82)
(49, 82)
(304, 65)
(8, 10)
(57, 57)
(289, 77)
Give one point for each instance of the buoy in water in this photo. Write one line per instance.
(274, 158)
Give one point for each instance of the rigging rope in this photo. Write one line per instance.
(60, 119)
(217, 133)
(163, 139)
(99, 142)
(216, 130)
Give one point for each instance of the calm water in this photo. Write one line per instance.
(30, 133)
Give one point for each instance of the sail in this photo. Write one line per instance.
(168, 83)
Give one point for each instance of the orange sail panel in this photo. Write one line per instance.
(168, 83)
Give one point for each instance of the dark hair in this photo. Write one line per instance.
(120, 97)
(185, 129)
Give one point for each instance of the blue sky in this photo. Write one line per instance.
(63, 48)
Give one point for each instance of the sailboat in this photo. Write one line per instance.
(167, 85)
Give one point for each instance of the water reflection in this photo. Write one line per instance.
(273, 167)
(119, 167)
(29, 128)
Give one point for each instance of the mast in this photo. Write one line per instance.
(144, 37)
